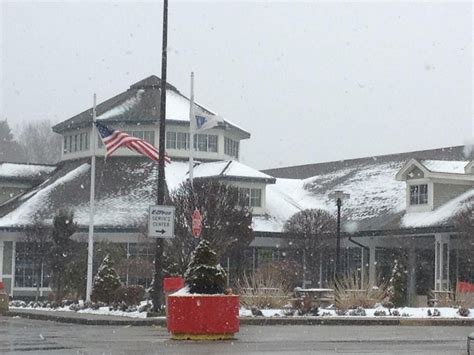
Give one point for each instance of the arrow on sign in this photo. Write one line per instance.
(160, 231)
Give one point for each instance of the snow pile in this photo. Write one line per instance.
(443, 166)
(12, 170)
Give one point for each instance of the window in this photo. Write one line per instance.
(419, 194)
(212, 143)
(26, 273)
(202, 142)
(250, 197)
(76, 143)
(182, 141)
(255, 197)
(170, 140)
(231, 147)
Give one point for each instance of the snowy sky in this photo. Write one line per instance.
(312, 81)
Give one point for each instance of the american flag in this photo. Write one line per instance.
(114, 139)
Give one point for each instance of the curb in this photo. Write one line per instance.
(88, 321)
(261, 321)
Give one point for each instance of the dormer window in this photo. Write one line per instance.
(419, 194)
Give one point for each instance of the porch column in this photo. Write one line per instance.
(372, 264)
(442, 262)
(1, 260)
(411, 276)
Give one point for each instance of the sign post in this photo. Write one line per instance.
(161, 222)
(197, 223)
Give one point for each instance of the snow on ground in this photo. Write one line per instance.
(105, 311)
(438, 216)
(12, 170)
(405, 312)
(25, 212)
(444, 166)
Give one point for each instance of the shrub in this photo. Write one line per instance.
(130, 295)
(463, 311)
(351, 293)
(267, 287)
(106, 282)
(204, 274)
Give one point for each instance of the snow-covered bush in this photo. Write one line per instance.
(204, 274)
(358, 312)
(106, 282)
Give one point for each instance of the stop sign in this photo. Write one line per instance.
(197, 223)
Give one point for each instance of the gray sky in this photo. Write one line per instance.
(311, 81)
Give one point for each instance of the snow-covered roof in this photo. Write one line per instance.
(126, 186)
(439, 216)
(444, 166)
(25, 171)
(140, 104)
(229, 169)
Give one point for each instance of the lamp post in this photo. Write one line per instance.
(338, 196)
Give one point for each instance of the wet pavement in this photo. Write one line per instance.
(25, 336)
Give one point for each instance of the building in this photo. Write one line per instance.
(401, 205)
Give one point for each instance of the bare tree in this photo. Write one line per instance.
(311, 232)
(39, 143)
(10, 150)
(226, 224)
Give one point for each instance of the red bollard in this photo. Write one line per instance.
(4, 299)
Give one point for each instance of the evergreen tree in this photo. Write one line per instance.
(204, 274)
(62, 249)
(10, 150)
(397, 285)
(106, 282)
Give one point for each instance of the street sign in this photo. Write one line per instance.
(197, 223)
(161, 222)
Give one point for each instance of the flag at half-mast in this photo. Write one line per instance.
(114, 139)
(204, 121)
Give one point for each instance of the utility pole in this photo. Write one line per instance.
(338, 196)
(157, 291)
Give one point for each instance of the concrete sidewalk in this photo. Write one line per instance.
(97, 319)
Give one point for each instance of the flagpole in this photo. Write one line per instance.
(90, 246)
(191, 131)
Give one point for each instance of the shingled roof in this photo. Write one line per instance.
(138, 105)
(309, 170)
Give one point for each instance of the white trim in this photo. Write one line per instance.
(1, 260)
(13, 267)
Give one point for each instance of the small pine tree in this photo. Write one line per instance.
(397, 285)
(204, 274)
(106, 282)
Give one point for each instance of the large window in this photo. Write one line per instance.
(76, 142)
(27, 274)
(202, 142)
(250, 197)
(419, 194)
(231, 147)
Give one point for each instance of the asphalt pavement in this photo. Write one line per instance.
(27, 336)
